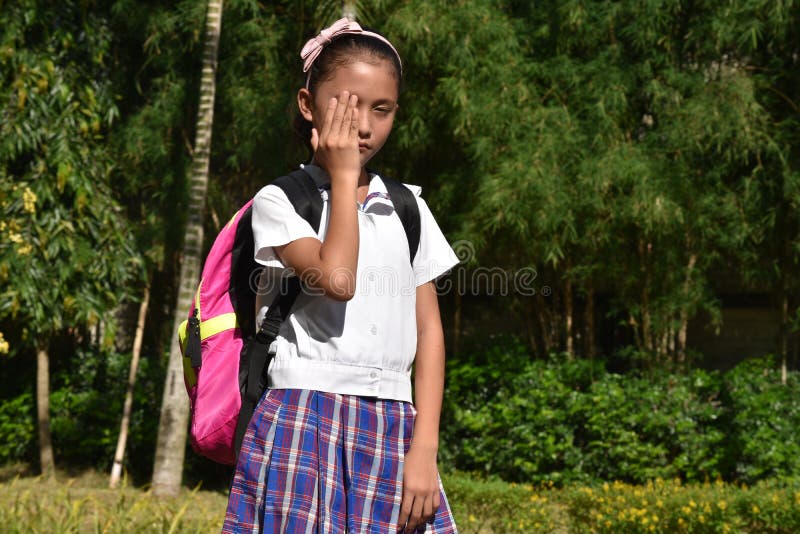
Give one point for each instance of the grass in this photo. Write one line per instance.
(82, 502)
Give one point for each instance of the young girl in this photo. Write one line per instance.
(335, 444)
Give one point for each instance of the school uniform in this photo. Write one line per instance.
(324, 450)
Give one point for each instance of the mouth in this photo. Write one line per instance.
(363, 147)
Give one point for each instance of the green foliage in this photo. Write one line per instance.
(86, 505)
(669, 506)
(571, 421)
(765, 421)
(480, 506)
(86, 406)
(16, 429)
(65, 254)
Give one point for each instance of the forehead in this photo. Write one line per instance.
(369, 80)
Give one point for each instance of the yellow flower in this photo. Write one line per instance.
(15, 237)
(605, 486)
(24, 250)
(472, 518)
(660, 503)
(692, 503)
(686, 510)
(4, 346)
(681, 522)
(722, 505)
(756, 509)
(29, 200)
(702, 518)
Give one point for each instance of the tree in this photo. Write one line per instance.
(65, 255)
(171, 443)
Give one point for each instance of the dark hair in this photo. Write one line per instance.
(343, 50)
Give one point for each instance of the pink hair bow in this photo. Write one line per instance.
(314, 46)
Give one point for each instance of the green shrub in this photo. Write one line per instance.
(17, 430)
(766, 417)
(567, 421)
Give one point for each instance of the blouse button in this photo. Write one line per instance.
(373, 374)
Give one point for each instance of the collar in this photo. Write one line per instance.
(377, 200)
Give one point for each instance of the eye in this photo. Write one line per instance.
(384, 109)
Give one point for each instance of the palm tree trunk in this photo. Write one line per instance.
(116, 469)
(46, 460)
(171, 441)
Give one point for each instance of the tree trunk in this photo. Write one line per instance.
(349, 10)
(116, 469)
(684, 315)
(783, 345)
(171, 441)
(544, 325)
(46, 460)
(570, 348)
(589, 318)
(647, 335)
(457, 322)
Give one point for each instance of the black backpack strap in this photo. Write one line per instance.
(405, 204)
(304, 195)
(258, 354)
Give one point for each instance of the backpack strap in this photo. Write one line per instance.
(405, 204)
(304, 195)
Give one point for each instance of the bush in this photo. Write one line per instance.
(766, 416)
(17, 437)
(570, 421)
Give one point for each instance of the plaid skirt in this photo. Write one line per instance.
(317, 462)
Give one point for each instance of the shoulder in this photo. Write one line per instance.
(417, 190)
(271, 192)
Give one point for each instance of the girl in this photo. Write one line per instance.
(335, 444)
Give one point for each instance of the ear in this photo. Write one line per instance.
(305, 102)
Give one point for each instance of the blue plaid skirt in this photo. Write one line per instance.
(318, 462)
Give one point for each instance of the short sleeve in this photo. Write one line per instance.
(275, 223)
(434, 255)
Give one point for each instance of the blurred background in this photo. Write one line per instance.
(620, 179)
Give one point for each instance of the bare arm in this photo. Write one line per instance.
(420, 473)
(331, 265)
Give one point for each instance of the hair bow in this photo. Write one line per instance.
(314, 46)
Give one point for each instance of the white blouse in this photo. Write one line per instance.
(364, 346)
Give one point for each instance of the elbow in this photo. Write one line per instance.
(341, 285)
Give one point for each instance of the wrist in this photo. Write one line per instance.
(421, 443)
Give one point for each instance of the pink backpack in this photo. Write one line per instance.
(225, 360)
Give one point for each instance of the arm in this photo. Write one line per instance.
(420, 474)
(331, 265)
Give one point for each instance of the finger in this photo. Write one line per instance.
(314, 139)
(437, 500)
(338, 115)
(354, 123)
(427, 509)
(416, 515)
(347, 122)
(326, 124)
(405, 509)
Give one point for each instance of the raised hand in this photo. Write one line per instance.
(336, 145)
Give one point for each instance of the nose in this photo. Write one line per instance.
(364, 124)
